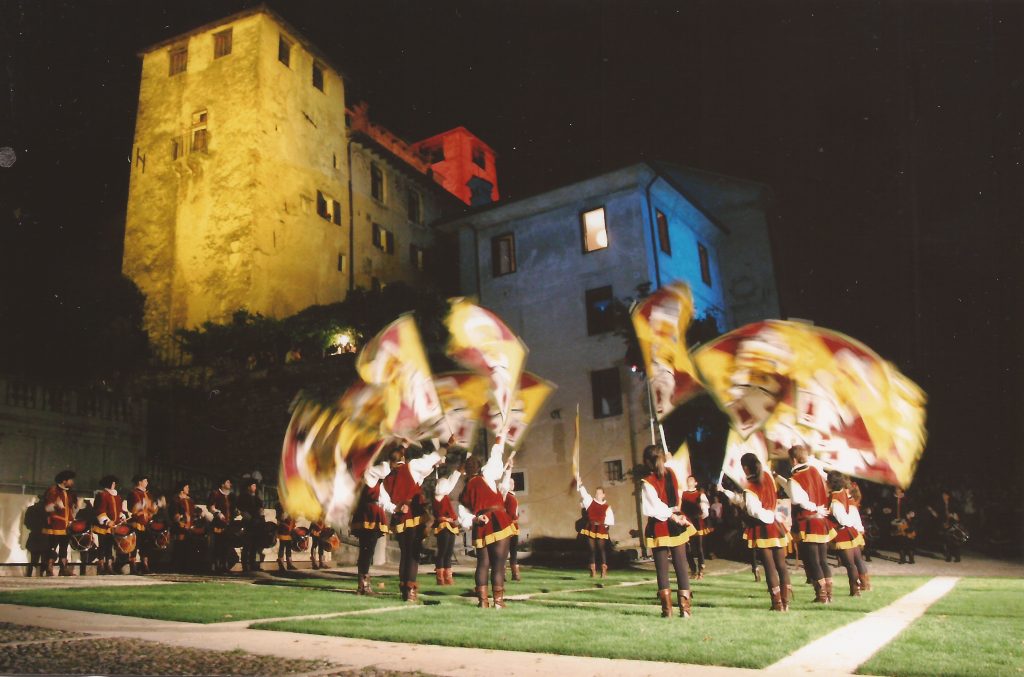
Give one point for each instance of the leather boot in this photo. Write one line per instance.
(132, 567)
(700, 574)
(413, 592)
(403, 590)
(312, 562)
(48, 569)
(787, 597)
(820, 596)
(828, 590)
(666, 602)
(482, 599)
(499, 598)
(361, 588)
(366, 585)
(593, 570)
(865, 582)
(280, 564)
(65, 570)
(145, 565)
(323, 565)
(449, 577)
(291, 567)
(777, 604)
(757, 575)
(439, 576)
(855, 589)
(515, 573)
(604, 570)
(684, 603)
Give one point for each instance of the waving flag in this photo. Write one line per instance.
(735, 447)
(480, 341)
(680, 463)
(396, 361)
(530, 396)
(464, 400)
(575, 450)
(660, 322)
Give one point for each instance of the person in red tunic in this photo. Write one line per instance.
(285, 546)
(600, 516)
(60, 504)
(142, 508)
(512, 508)
(369, 522)
(403, 492)
(182, 510)
(446, 528)
(848, 540)
(696, 507)
(482, 508)
(221, 502)
(667, 530)
(813, 530)
(765, 533)
(107, 507)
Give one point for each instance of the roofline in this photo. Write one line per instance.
(455, 129)
(257, 9)
(367, 141)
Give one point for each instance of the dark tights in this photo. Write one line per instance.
(492, 559)
(695, 553)
(775, 572)
(513, 550)
(367, 545)
(661, 556)
(815, 557)
(409, 542)
(445, 547)
(285, 548)
(854, 564)
(596, 546)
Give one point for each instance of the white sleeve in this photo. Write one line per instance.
(609, 517)
(376, 473)
(841, 515)
(731, 495)
(585, 496)
(446, 485)
(506, 483)
(800, 497)
(652, 506)
(384, 501)
(494, 468)
(755, 510)
(423, 466)
(705, 507)
(465, 517)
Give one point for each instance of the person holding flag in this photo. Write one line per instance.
(370, 522)
(512, 508)
(600, 516)
(848, 538)
(810, 506)
(696, 507)
(667, 530)
(446, 528)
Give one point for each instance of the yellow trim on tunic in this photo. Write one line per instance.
(592, 534)
(446, 525)
(55, 532)
(850, 545)
(373, 526)
(818, 538)
(671, 541)
(705, 531)
(409, 523)
(776, 542)
(495, 536)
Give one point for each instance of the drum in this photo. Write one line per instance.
(124, 538)
(300, 538)
(160, 534)
(267, 535)
(235, 534)
(81, 537)
(329, 540)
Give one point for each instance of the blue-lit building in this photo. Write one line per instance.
(550, 265)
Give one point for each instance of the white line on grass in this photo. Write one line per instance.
(312, 617)
(844, 650)
(531, 595)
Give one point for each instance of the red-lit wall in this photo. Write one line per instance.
(457, 168)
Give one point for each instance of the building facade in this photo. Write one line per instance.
(552, 264)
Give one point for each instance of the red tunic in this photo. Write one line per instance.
(106, 505)
(596, 527)
(512, 508)
(480, 499)
(445, 516)
(369, 516)
(183, 508)
(691, 508)
(403, 490)
(224, 504)
(846, 538)
(666, 534)
(57, 520)
(142, 516)
(285, 525)
(810, 527)
(758, 534)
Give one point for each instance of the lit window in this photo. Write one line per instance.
(221, 43)
(600, 318)
(377, 182)
(595, 232)
(179, 60)
(479, 159)
(663, 241)
(199, 140)
(705, 264)
(318, 76)
(613, 471)
(414, 206)
(503, 254)
(607, 392)
(284, 50)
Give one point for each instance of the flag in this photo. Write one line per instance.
(395, 360)
(463, 397)
(680, 463)
(530, 396)
(576, 449)
(735, 447)
(481, 342)
(660, 323)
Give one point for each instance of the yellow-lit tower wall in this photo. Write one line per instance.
(238, 194)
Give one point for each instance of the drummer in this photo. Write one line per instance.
(251, 506)
(108, 513)
(142, 508)
(181, 509)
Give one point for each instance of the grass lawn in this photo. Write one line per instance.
(622, 622)
(196, 602)
(976, 629)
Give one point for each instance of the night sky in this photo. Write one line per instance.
(890, 134)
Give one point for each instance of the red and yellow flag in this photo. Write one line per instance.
(530, 396)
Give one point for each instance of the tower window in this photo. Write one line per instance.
(179, 60)
(705, 264)
(607, 392)
(318, 76)
(599, 310)
(341, 263)
(434, 154)
(663, 241)
(479, 158)
(377, 182)
(284, 50)
(221, 43)
(414, 206)
(336, 212)
(503, 254)
(200, 140)
(613, 471)
(321, 206)
(594, 230)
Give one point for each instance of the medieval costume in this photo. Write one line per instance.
(446, 528)
(600, 516)
(813, 529)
